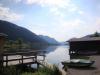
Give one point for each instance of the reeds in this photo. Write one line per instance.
(46, 71)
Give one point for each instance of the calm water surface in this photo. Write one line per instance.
(60, 53)
(56, 54)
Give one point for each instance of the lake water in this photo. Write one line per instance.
(57, 54)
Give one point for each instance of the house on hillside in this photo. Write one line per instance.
(86, 45)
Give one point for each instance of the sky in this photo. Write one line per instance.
(59, 19)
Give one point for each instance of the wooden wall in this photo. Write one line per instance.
(84, 46)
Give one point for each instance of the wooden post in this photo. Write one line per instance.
(6, 61)
(43, 57)
(36, 58)
(2, 41)
(38, 65)
(22, 59)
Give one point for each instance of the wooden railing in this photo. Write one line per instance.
(23, 56)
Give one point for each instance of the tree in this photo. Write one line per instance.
(96, 34)
(10, 42)
(20, 42)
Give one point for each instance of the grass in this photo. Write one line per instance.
(10, 71)
(13, 70)
(46, 71)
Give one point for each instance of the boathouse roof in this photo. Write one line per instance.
(92, 37)
(85, 39)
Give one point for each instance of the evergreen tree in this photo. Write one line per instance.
(96, 34)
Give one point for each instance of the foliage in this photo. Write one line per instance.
(37, 73)
(51, 70)
(11, 71)
(46, 71)
(27, 73)
(16, 45)
(96, 34)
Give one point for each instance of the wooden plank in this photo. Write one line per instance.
(33, 55)
(18, 59)
(26, 63)
(20, 53)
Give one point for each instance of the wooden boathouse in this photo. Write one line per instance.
(85, 46)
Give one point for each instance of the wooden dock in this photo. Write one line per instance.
(25, 57)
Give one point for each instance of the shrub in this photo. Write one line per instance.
(46, 71)
(11, 70)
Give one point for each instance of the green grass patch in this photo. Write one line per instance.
(46, 71)
(13, 70)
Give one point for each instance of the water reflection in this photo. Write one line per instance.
(49, 49)
(57, 54)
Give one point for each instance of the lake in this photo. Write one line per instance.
(57, 54)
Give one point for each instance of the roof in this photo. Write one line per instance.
(3, 35)
(85, 39)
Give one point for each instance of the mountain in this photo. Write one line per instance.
(15, 32)
(49, 40)
(64, 43)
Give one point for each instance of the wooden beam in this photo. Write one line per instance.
(28, 55)
(6, 61)
(17, 59)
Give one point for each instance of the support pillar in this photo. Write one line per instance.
(2, 42)
(6, 61)
(22, 59)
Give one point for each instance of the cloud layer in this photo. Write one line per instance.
(61, 19)
(7, 14)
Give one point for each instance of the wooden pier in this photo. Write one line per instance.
(25, 57)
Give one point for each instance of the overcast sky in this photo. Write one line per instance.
(60, 19)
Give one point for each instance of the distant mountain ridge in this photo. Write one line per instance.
(49, 40)
(14, 32)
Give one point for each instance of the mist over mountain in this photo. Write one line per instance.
(15, 32)
(49, 40)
